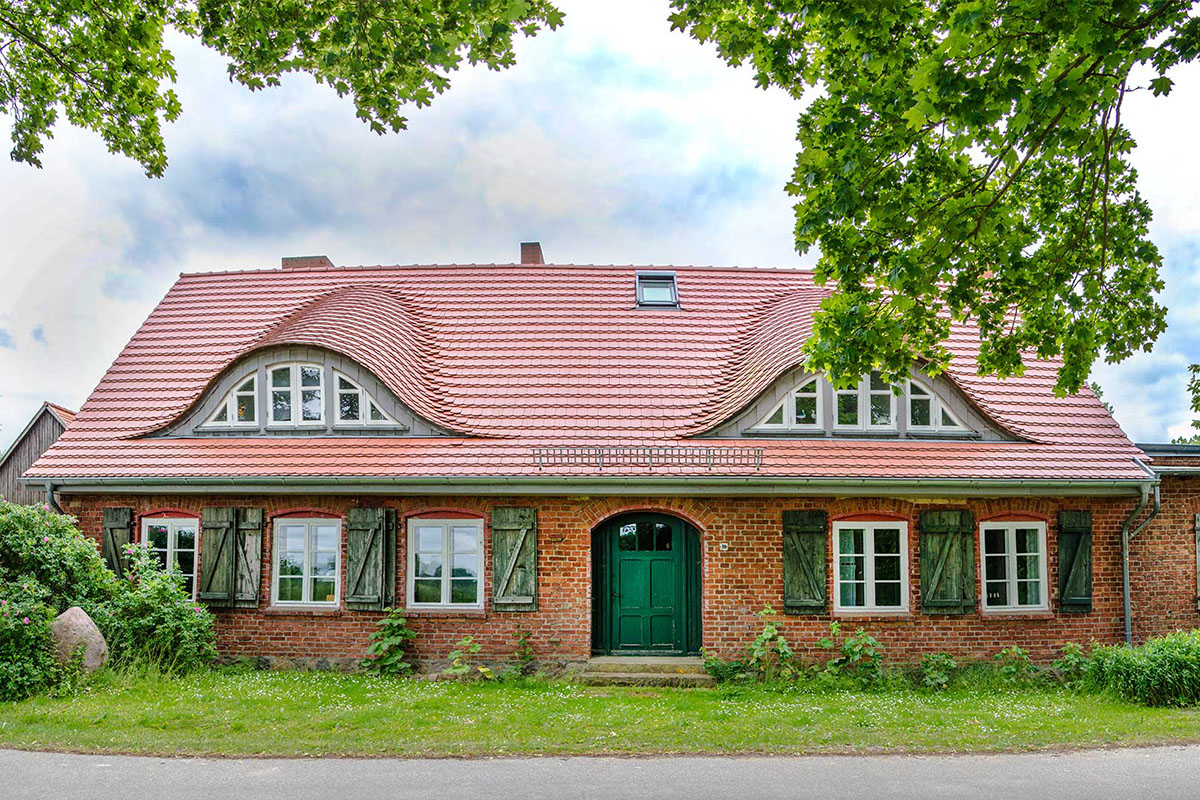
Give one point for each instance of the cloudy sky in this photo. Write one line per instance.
(613, 140)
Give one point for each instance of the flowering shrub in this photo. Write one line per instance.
(46, 566)
(152, 619)
(44, 549)
(27, 664)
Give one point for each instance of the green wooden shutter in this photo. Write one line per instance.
(514, 559)
(947, 562)
(118, 533)
(370, 558)
(1075, 561)
(218, 528)
(804, 580)
(248, 557)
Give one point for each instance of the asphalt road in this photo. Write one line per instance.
(1167, 772)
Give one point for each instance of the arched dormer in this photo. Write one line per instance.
(804, 404)
(298, 391)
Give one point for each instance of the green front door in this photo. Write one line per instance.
(647, 574)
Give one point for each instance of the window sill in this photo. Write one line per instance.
(445, 611)
(303, 611)
(885, 613)
(1017, 613)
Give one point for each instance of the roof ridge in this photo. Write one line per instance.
(491, 265)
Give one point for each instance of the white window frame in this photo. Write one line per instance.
(309, 524)
(936, 409)
(365, 403)
(862, 392)
(868, 527)
(229, 405)
(788, 405)
(446, 553)
(667, 278)
(296, 393)
(1010, 567)
(173, 524)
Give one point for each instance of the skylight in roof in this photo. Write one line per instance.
(657, 289)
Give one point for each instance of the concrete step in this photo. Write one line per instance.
(644, 679)
(646, 664)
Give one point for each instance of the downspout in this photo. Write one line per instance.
(1126, 537)
(50, 501)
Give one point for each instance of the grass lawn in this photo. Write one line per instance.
(240, 712)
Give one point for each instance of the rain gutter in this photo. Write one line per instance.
(566, 484)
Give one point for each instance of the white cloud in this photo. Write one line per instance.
(612, 140)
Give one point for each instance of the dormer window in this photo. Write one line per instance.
(657, 290)
(240, 406)
(355, 406)
(297, 396)
(927, 413)
(872, 405)
(800, 410)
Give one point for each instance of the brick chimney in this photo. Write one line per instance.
(306, 262)
(531, 253)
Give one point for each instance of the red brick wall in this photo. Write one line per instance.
(1162, 563)
(738, 581)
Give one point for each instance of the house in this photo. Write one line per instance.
(42, 431)
(612, 459)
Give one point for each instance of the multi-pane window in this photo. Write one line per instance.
(800, 410)
(645, 536)
(444, 561)
(240, 406)
(296, 394)
(870, 405)
(926, 411)
(872, 566)
(355, 405)
(173, 541)
(306, 557)
(1014, 565)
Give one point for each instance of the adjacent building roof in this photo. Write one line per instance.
(511, 358)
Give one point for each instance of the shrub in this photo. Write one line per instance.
(859, 656)
(1162, 672)
(388, 644)
(39, 546)
(770, 655)
(152, 620)
(27, 663)
(1014, 665)
(937, 669)
(1071, 664)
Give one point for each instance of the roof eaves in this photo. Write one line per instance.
(631, 484)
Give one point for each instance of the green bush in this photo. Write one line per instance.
(27, 663)
(770, 656)
(735, 669)
(38, 546)
(858, 655)
(388, 642)
(1162, 672)
(1072, 664)
(1015, 665)
(937, 669)
(152, 620)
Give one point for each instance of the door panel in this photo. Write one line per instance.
(647, 609)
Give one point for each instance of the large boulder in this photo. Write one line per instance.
(73, 628)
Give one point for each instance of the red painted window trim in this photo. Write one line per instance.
(872, 516)
(1016, 516)
(304, 513)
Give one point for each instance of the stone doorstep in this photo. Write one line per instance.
(683, 665)
(644, 671)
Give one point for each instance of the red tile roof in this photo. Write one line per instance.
(511, 357)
